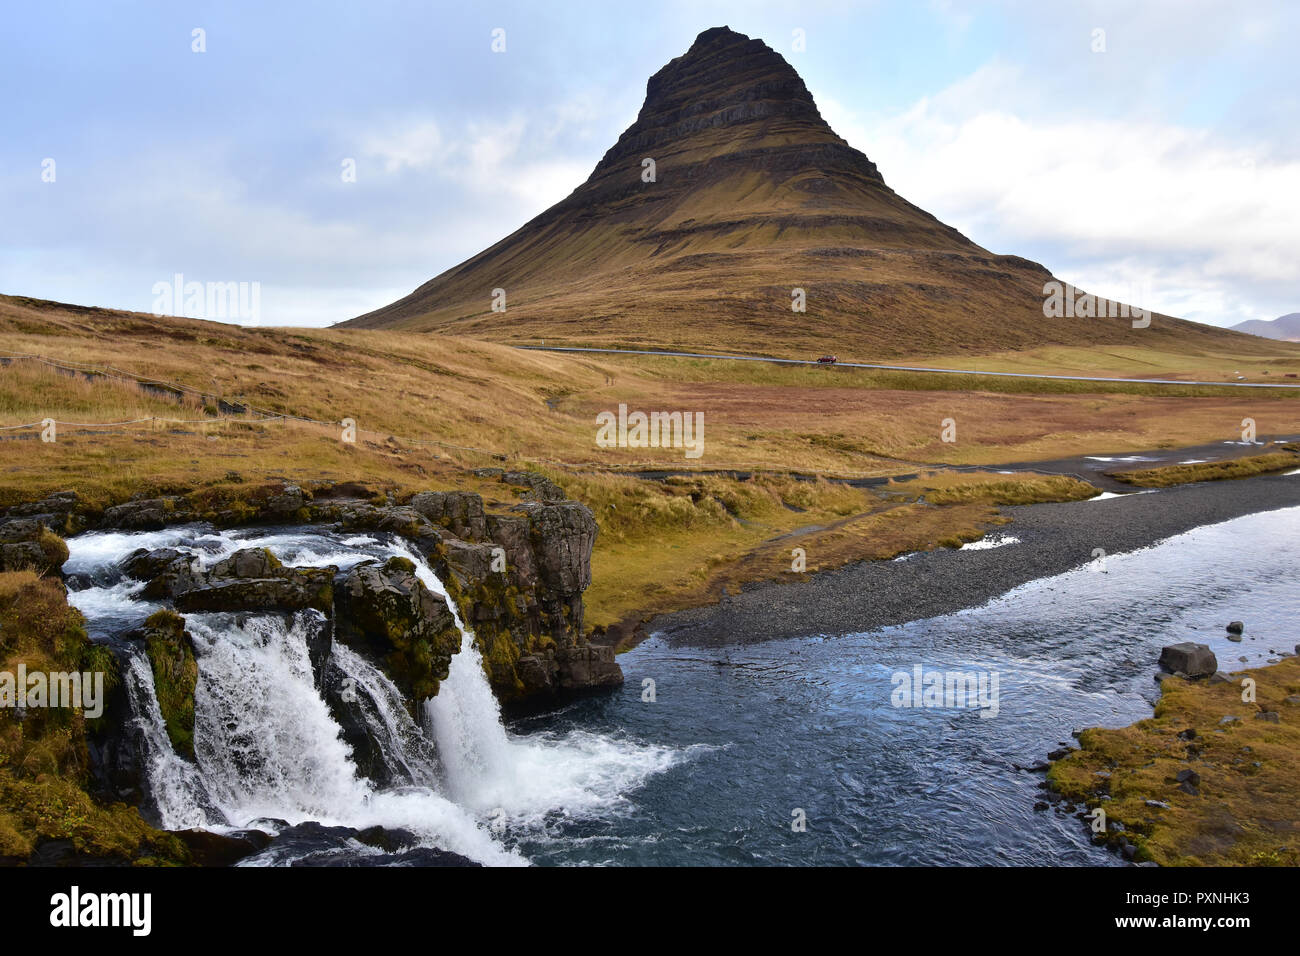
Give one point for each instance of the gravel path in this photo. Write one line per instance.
(1053, 538)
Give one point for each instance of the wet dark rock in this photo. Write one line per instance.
(64, 853)
(115, 746)
(352, 708)
(386, 613)
(309, 588)
(167, 572)
(144, 564)
(1194, 660)
(1236, 627)
(389, 840)
(253, 579)
(223, 849)
(148, 514)
(313, 844)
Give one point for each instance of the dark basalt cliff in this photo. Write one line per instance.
(517, 575)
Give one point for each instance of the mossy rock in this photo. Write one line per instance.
(175, 676)
(387, 613)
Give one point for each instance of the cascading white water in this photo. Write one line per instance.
(407, 752)
(175, 785)
(266, 740)
(268, 747)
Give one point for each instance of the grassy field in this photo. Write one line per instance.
(1247, 772)
(1245, 467)
(1268, 362)
(430, 408)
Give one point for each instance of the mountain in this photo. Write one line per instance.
(753, 196)
(1284, 327)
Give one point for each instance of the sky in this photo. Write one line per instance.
(1148, 151)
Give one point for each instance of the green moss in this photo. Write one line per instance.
(175, 676)
(54, 547)
(1248, 773)
(43, 759)
(52, 808)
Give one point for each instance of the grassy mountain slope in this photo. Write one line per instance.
(754, 195)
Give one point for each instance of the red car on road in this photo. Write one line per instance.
(828, 360)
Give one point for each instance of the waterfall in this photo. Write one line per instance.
(407, 752)
(177, 792)
(268, 747)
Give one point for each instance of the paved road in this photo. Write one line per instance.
(905, 368)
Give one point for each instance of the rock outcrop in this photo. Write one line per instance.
(1189, 658)
(253, 579)
(516, 574)
(31, 535)
(517, 577)
(386, 612)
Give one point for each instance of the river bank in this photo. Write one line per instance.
(1049, 539)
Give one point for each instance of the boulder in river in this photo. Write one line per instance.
(168, 572)
(1194, 660)
(253, 579)
(1236, 627)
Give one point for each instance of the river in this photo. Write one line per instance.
(794, 751)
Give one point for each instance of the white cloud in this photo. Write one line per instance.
(1207, 225)
(528, 158)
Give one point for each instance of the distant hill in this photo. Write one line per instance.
(753, 196)
(1285, 327)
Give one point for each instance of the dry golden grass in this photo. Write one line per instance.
(1246, 467)
(1245, 813)
(542, 406)
(951, 488)
(423, 403)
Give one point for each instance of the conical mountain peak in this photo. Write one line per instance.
(730, 216)
(727, 93)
